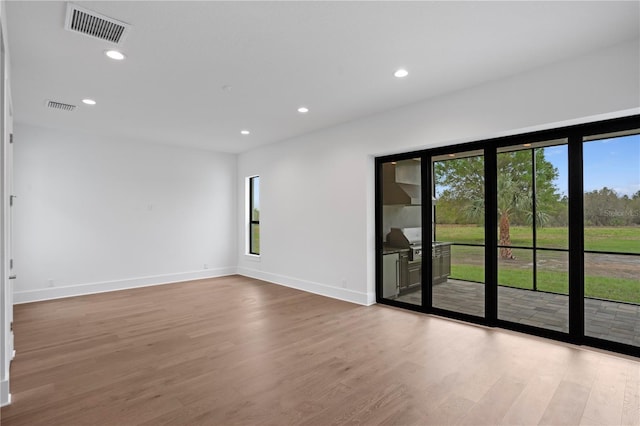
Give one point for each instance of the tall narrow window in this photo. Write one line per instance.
(254, 215)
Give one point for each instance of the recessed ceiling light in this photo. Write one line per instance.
(303, 110)
(114, 54)
(452, 155)
(401, 73)
(245, 132)
(89, 101)
(526, 144)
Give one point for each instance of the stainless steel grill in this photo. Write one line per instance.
(409, 238)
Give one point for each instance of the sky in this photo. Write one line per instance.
(614, 163)
(256, 193)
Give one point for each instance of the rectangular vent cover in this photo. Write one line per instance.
(95, 25)
(60, 106)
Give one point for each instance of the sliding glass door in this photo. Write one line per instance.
(401, 230)
(532, 250)
(611, 165)
(538, 233)
(458, 234)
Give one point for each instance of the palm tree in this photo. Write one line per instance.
(513, 198)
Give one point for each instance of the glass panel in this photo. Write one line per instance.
(517, 269)
(516, 190)
(458, 270)
(402, 231)
(552, 274)
(255, 199)
(614, 277)
(459, 198)
(255, 238)
(463, 291)
(612, 297)
(611, 225)
(519, 302)
(612, 195)
(515, 197)
(533, 212)
(467, 263)
(552, 197)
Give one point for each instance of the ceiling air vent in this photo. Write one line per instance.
(60, 106)
(95, 25)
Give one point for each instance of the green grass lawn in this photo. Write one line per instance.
(617, 239)
(610, 288)
(255, 244)
(552, 275)
(624, 239)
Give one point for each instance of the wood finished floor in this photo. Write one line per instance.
(235, 350)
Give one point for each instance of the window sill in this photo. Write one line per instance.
(252, 257)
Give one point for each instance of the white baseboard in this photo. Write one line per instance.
(101, 287)
(371, 299)
(311, 287)
(5, 396)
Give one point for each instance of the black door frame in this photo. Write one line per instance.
(574, 135)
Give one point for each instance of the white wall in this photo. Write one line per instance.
(317, 202)
(95, 213)
(6, 182)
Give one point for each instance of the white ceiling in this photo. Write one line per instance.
(337, 58)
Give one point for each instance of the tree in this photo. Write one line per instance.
(462, 181)
(604, 207)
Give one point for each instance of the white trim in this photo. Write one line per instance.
(102, 287)
(311, 287)
(6, 180)
(370, 220)
(5, 396)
